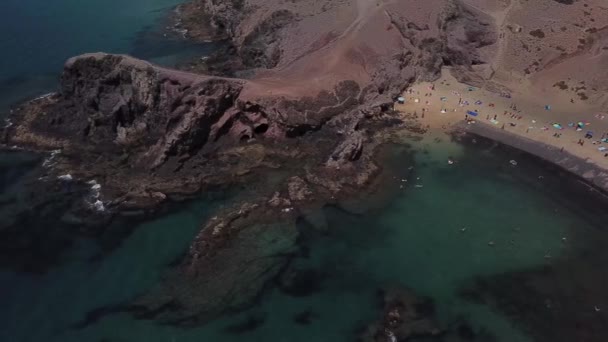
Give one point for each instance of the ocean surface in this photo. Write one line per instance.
(505, 252)
(38, 36)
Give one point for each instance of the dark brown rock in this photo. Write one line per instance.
(348, 150)
(404, 316)
(150, 135)
(298, 189)
(230, 262)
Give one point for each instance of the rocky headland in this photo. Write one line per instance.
(147, 134)
(313, 97)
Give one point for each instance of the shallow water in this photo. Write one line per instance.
(417, 240)
(466, 235)
(38, 36)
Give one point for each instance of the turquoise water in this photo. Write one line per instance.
(82, 284)
(448, 226)
(37, 36)
(517, 252)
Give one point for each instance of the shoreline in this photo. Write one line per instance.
(519, 120)
(591, 174)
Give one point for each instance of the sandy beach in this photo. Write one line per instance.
(521, 114)
(520, 119)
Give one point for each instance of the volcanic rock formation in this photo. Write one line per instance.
(404, 316)
(149, 125)
(323, 77)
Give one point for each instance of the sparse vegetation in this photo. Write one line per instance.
(561, 85)
(538, 33)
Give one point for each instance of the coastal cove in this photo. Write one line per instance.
(500, 227)
(325, 171)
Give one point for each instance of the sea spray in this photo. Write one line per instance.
(94, 202)
(42, 97)
(66, 178)
(50, 161)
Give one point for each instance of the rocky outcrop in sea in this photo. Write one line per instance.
(317, 103)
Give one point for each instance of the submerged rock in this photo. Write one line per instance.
(230, 262)
(298, 189)
(150, 135)
(404, 316)
(249, 324)
(301, 282)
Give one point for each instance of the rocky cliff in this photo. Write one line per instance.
(324, 75)
(145, 133)
(398, 40)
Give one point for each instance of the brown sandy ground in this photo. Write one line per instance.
(530, 119)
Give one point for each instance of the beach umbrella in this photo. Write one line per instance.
(547, 107)
(558, 126)
(401, 99)
(580, 124)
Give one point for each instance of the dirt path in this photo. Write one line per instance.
(501, 19)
